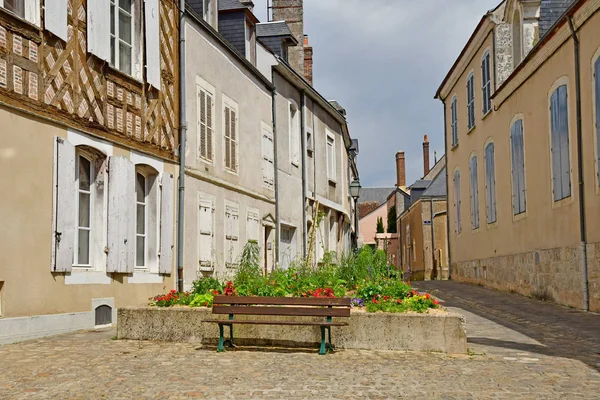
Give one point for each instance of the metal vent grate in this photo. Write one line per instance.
(103, 315)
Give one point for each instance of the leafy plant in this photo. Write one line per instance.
(206, 285)
(391, 220)
(202, 300)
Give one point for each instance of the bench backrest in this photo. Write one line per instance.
(283, 306)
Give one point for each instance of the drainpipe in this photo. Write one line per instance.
(303, 144)
(447, 186)
(432, 232)
(584, 266)
(275, 166)
(182, 143)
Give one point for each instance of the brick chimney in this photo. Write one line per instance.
(292, 12)
(400, 170)
(308, 61)
(425, 155)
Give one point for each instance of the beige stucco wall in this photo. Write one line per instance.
(412, 220)
(29, 287)
(368, 224)
(546, 225)
(210, 61)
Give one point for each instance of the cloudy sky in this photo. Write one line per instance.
(383, 60)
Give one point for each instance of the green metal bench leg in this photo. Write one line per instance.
(329, 337)
(323, 349)
(231, 344)
(221, 339)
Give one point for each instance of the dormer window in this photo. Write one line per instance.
(249, 38)
(517, 38)
(15, 6)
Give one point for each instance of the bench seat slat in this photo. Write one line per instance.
(253, 322)
(283, 311)
(283, 301)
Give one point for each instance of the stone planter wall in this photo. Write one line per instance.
(371, 331)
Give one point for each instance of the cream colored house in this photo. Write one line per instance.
(521, 112)
(87, 161)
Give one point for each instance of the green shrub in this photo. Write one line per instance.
(206, 285)
(380, 228)
(202, 300)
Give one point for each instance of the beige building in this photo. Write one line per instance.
(87, 161)
(521, 114)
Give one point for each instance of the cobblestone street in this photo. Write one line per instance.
(534, 351)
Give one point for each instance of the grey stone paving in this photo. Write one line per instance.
(512, 357)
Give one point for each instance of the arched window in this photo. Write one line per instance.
(90, 168)
(518, 167)
(474, 192)
(559, 132)
(517, 38)
(457, 214)
(490, 183)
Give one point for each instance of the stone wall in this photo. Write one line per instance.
(444, 332)
(550, 274)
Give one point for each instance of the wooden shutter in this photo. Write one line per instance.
(565, 159)
(555, 146)
(474, 193)
(55, 17)
(202, 123)
(232, 234)
(121, 215)
(98, 28)
(268, 165)
(206, 233)
(165, 265)
(252, 226)
(63, 235)
(152, 16)
(209, 126)
(227, 138)
(514, 168)
(457, 222)
(490, 184)
(232, 142)
(521, 166)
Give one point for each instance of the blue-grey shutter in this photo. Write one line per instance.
(493, 180)
(514, 168)
(564, 142)
(490, 184)
(474, 193)
(555, 146)
(521, 166)
(597, 80)
(457, 201)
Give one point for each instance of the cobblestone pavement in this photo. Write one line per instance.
(500, 322)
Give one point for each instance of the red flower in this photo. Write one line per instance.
(173, 291)
(427, 296)
(436, 302)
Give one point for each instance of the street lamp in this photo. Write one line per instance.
(355, 194)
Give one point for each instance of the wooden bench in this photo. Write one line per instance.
(280, 306)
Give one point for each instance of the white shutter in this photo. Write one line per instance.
(32, 11)
(151, 13)
(268, 166)
(165, 265)
(63, 235)
(55, 17)
(98, 28)
(205, 234)
(121, 215)
(252, 226)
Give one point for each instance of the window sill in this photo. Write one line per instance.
(309, 152)
(124, 78)
(332, 182)
(471, 129)
(492, 225)
(486, 114)
(145, 276)
(562, 202)
(87, 277)
(205, 160)
(230, 171)
(296, 164)
(26, 23)
(454, 147)
(206, 268)
(520, 216)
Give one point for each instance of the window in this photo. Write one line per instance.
(141, 217)
(268, 159)
(252, 225)
(249, 36)
(121, 34)
(471, 100)
(231, 234)
(597, 81)
(517, 167)
(15, 6)
(486, 83)
(294, 134)
(331, 173)
(561, 165)
(230, 138)
(206, 234)
(474, 192)
(288, 246)
(85, 181)
(208, 11)
(457, 214)
(490, 183)
(205, 124)
(454, 112)
(332, 232)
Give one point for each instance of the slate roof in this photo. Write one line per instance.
(550, 12)
(437, 187)
(225, 5)
(277, 28)
(378, 195)
(420, 184)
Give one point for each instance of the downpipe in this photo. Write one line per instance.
(583, 244)
(182, 147)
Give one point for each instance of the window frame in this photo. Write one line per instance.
(331, 170)
(115, 50)
(490, 183)
(457, 202)
(145, 265)
(229, 236)
(228, 103)
(486, 83)
(210, 92)
(81, 153)
(517, 211)
(560, 83)
(206, 201)
(471, 101)
(269, 158)
(454, 121)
